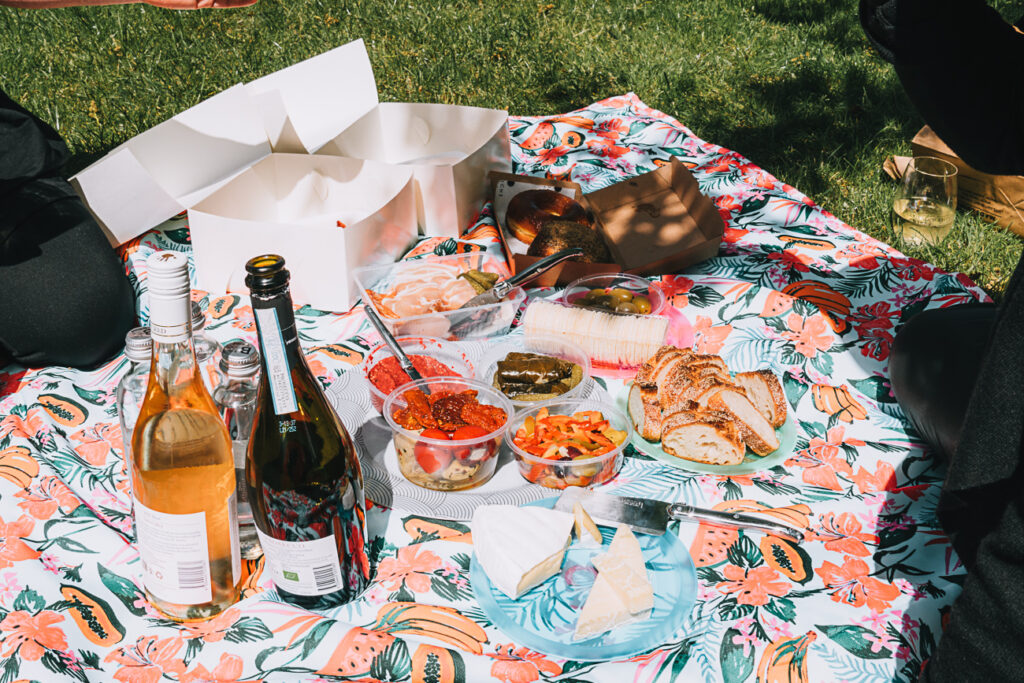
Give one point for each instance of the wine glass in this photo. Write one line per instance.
(925, 204)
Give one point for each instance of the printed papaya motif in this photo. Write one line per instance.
(837, 401)
(63, 410)
(423, 529)
(424, 247)
(222, 305)
(432, 664)
(355, 653)
(785, 660)
(540, 135)
(572, 139)
(18, 466)
(787, 558)
(833, 305)
(442, 623)
(93, 616)
(807, 242)
(776, 304)
(340, 353)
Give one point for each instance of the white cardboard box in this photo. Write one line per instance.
(329, 101)
(325, 215)
(451, 148)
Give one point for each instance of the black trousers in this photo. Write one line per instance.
(934, 368)
(64, 297)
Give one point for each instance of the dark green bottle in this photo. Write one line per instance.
(301, 469)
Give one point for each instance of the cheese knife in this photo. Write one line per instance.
(501, 289)
(647, 516)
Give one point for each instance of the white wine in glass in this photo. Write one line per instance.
(925, 205)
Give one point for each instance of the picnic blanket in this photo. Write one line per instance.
(793, 289)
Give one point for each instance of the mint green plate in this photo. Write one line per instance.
(751, 463)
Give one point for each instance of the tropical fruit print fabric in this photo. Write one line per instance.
(793, 289)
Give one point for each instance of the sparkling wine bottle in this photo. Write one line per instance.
(184, 475)
(303, 475)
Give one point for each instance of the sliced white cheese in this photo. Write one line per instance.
(623, 566)
(587, 533)
(520, 547)
(603, 610)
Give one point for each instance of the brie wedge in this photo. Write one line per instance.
(520, 547)
(603, 610)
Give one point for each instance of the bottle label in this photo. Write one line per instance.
(175, 555)
(303, 567)
(275, 360)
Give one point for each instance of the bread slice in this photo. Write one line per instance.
(644, 410)
(764, 390)
(702, 436)
(648, 369)
(756, 431)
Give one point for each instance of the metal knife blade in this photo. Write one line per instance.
(647, 516)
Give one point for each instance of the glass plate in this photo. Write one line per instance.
(751, 463)
(544, 618)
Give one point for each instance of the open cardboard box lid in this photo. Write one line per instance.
(177, 163)
(654, 224)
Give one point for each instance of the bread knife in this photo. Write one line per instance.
(647, 516)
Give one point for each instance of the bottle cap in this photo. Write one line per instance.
(239, 359)
(267, 274)
(138, 345)
(169, 288)
(198, 317)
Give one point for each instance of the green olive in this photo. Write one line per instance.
(594, 293)
(619, 294)
(626, 307)
(643, 304)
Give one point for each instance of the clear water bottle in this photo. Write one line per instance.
(131, 390)
(235, 397)
(207, 349)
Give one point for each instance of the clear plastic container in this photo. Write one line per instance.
(456, 464)
(616, 343)
(444, 353)
(546, 346)
(637, 286)
(479, 321)
(583, 472)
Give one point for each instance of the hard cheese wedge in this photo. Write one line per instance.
(623, 565)
(603, 610)
(621, 593)
(520, 547)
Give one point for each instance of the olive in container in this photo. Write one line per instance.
(578, 442)
(447, 431)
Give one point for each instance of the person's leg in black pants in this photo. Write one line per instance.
(64, 297)
(934, 365)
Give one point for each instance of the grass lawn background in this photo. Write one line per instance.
(791, 84)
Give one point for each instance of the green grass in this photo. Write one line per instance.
(791, 84)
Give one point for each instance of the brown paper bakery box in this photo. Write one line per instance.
(998, 197)
(654, 224)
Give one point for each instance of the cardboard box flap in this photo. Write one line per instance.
(655, 213)
(926, 137)
(174, 164)
(320, 97)
(318, 190)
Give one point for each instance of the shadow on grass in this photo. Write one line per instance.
(823, 109)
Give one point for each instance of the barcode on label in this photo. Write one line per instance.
(324, 578)
(191, 575)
